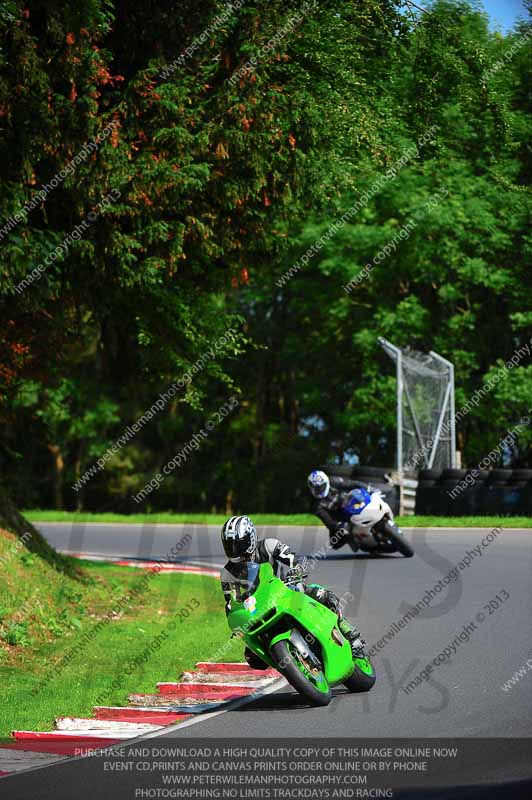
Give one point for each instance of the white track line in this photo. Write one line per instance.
(174, 726)
(231, 706)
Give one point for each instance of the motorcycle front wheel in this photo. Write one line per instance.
(392, 533)
(305, 678)
(363, 677)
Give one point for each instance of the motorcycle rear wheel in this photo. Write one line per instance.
(313, 687)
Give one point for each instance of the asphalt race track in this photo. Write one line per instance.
(461, 697)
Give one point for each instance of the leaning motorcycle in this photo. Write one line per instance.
(296, 635)
(370, 524)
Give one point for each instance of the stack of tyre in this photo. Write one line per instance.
(376, 477)
(461, 492)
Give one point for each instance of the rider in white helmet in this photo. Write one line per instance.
(330, 494)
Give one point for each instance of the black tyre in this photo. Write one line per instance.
(500, 476)
(397, 538)
(311, 684)
(453, 474)
(482, 475)
(363, 678)
(521, 476)
(360, 472)
(429, 474)
(337, 470)
(428, 499)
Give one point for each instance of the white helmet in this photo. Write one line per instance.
(319, 484)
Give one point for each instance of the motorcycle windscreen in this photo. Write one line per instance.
(245, 578)
(356, 502)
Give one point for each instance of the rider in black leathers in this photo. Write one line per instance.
(330, 494)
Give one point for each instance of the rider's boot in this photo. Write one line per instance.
(337, 536)
(353, 636)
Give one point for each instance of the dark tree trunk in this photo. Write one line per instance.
(59, 468)
(12, 520)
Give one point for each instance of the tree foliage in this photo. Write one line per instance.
(208, 183)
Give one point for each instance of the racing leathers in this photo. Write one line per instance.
(328, 509)
(287, 566)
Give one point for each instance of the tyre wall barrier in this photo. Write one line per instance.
(379, 478)
(454, 493)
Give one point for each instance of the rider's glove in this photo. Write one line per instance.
(298, 572)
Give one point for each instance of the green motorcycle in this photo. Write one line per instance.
(295, 634)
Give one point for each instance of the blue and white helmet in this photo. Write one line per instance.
(319, 484)
(239, 538)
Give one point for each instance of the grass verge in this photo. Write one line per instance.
(466, 522)
(269, 519)
(176, 620)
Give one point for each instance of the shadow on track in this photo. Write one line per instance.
(286, 700)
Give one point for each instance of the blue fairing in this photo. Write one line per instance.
(356, 502)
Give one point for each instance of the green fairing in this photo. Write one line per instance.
(292, 610)
(365, 665)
